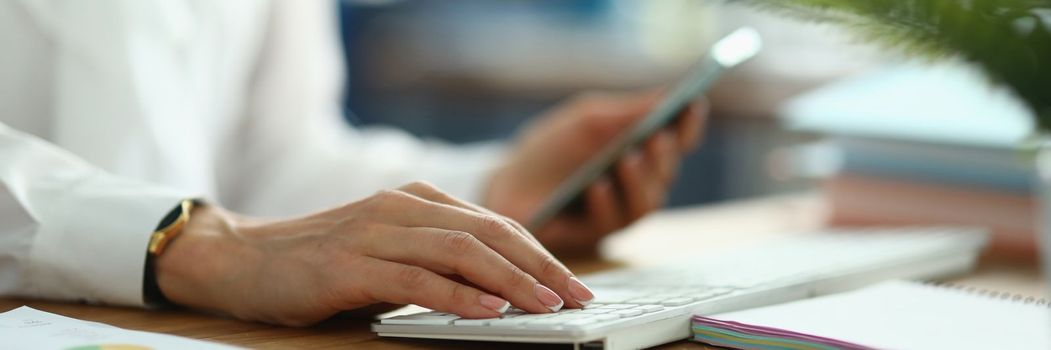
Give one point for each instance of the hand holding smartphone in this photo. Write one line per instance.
(728, 52)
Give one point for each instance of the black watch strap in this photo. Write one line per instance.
(151, 291)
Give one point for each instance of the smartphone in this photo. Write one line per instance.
(728, 52)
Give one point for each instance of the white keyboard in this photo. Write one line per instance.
(635, 308)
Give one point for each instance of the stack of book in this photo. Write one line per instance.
(917, 144)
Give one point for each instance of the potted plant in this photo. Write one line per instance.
(1009, 40)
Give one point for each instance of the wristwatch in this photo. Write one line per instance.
(169, 228)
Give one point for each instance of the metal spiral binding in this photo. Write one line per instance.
(988, 293)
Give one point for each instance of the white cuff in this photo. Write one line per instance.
(94, 248)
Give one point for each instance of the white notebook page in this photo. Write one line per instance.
(26, 328)
(908, 315)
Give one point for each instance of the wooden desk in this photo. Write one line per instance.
(667, 235)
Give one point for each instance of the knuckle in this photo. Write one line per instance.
(517, 277)
(495, 227)
(425, 185)
(387, 197)
(459, 243)
(420, 186)
(388, 194)
(459, 292)
(413, 278)
(548, 265)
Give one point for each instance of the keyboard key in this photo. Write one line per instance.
(510, 314)
(618, 306)
(554, 321)
(646, 300)
(544, 323)
(649, 308)
(594, 319)
(590, 321)
(508, 322)
(529, 317)
(580, 323)
(568, 317)
(519, 319)
(594, 311)
(626, 312)
(604, 295)
(677, 301)
(474, 322)
(420, 319)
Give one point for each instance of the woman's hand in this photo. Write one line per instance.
(558, 143)
(413, 245)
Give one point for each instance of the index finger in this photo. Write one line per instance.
(514, 243)
(405, 284)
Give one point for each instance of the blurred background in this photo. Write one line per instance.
(470, 70)
(882, 139)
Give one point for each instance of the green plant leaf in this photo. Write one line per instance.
(1010, 40)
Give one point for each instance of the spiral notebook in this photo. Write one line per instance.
(891, 315)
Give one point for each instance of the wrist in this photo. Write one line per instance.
(195, 269)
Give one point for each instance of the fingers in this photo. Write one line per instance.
(503, 238)
(403, 284)
(691, 125)
(642, 190)
(645, 180)
(431, 193)
(459, 253)
(662, 150)
(602, 206)
(579, 235)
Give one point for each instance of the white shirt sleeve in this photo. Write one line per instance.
(70, 231)
(297, 155)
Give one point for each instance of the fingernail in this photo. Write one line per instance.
(548, 298)
(494, 303)
(580, 292)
